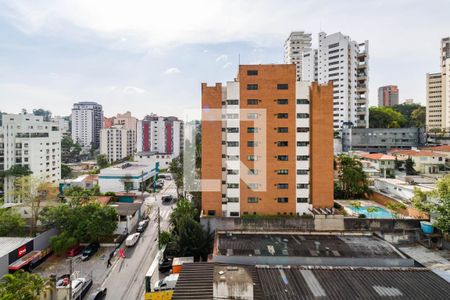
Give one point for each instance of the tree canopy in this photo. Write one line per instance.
(70, 151)
(21, 286)
(44, 113)
(400, 115)
(102, 161)
(11, 223)
(352, 181)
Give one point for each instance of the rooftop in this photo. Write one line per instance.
(415, 152)
(378, 156)
(442, 148)
(126, 209)
(304, 245)
(8, 244)
(204, 280)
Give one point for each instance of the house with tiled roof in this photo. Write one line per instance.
(384, 163)
(444, 150)
(425, 161)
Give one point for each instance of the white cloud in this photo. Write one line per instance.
(171, 71)
(227, 65)
(221, 58)
(133, 90)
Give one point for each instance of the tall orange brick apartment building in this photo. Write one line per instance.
(267, 144)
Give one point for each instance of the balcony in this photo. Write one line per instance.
(360, 123)
(361, 88)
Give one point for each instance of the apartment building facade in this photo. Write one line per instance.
(346, 64)
(267, 144)
(438, 91)
(160, 134)
(29, 141)
(87, 121)
(388, 95)
(295, 45)
(117, 142)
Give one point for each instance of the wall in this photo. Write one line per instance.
(42, 241)
(409, 211)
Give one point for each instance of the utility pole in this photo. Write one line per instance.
(142, 186)
(70, 277)
(159, 230)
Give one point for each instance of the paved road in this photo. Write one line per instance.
(126, 278)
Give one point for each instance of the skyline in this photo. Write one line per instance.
(54, 54)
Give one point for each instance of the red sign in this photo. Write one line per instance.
(22, 251)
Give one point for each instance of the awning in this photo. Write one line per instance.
(24, 260)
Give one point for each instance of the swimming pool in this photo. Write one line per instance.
(380, 213)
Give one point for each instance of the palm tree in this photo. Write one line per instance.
(372, 209)
(21, 286)
(356, 205)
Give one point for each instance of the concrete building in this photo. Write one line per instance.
(346, 63)
(438, 91)
(425, 162)
(383, 163)
(380, 140)
(125, 177)
(87, 121)
(295, 45)
(160, 134)
(388, 95)
(117, 142)
(273, 151)
(408, 101)
(150, 158)
(64, 125)
(30, 141)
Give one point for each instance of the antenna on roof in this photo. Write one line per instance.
(239, 59)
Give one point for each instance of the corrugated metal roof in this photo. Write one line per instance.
(8, 244)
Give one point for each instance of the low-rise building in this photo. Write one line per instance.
(443, 150)
(381, 140)
(129, 215)
(425, 161)
(127, 176)
(150, 158)
(384, 163)
(402, 188)
(86, 181)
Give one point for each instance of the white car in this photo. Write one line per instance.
(132, 239)
(167, 283)
(77, 285)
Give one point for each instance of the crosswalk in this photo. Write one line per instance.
(165, 215)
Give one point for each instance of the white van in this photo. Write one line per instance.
(132, 239)
(167, 283)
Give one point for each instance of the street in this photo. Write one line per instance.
(126, 277)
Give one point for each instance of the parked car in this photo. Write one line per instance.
(74, 251)
(168, 177)
(132, 239)
(98, 294)
(167, 283)
(77, 285)
(167, 199)
(165, 265)
(89, 251)
(142, 225)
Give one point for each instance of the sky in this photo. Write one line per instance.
(152, 56)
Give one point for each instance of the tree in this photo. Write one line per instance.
(165, 238)
(176, 168)
(11, 223)
(371, 210)
(395, 207)
(44, 113)
(66, 171)
(183, 208)
(62, 242)
(84, 223)
(32, 192)
(21, 285)
(192, 240)
(70, 151)
(406, 110)
(418, 117)
(352, 181)
(102, 161)
(17, 171)
(409, 167)
(356, 205)
(385, 117)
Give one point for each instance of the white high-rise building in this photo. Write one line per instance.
(117, 142)
(346, 63)
(87, 121)
(295, 45)
(160, 134)
(29, 141)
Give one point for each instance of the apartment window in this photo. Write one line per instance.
(282, 172)
(252, 130)
(233, 102)
(232, 129)
(234, 214)
(233, 144)
(302, 157)
(252, 72)
(233, 199)
(283, 157)
(252, 158)
(233, 185)
(232, 157)
(302, 116)
(302, 101)
(282, 199)
(302, 185)
(282, 86)
(333, 45)
(282, 186)
(282, 129)
(302, 200)
(211, 212)
(252, 101)
(302, 144)
(302, 172)
(254, 186)
(302, 129)
(253, 172)
(282, 101)
(252, 199)
(282, 116)
(282, 143)
(252, 116)
(232, 172)
(252, 87)
(251, 144)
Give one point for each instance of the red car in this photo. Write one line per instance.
(74, 251)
